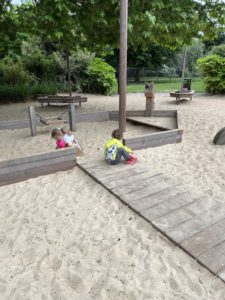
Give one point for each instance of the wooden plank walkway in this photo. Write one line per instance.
(195, 223)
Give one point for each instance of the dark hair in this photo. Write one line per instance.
(56, 131)
(117, 134)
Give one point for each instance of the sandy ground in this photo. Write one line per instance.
(63, 236)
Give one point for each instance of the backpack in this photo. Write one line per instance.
(111, 153)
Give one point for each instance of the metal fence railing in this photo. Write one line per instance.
(156, 75)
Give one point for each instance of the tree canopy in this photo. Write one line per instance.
(95, 23)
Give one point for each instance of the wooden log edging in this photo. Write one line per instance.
(20, 169)
(154, 139)
(141, 142)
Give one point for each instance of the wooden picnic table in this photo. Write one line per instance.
(61, 100)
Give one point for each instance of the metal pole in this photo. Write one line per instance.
(123, 64)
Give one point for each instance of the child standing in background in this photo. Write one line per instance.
(65, 139)
(115, 150)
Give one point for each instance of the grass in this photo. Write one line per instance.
(166, 86)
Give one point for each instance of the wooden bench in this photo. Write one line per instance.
(61, 100)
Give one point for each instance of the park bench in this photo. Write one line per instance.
(61, 100)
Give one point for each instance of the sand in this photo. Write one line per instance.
(63, 236)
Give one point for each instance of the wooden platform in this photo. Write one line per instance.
(193, 222)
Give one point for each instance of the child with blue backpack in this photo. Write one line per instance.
(115, 150)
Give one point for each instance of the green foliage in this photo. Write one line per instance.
(44, 88)
(14, 81)
(79, 63)
(213, 70)
(17, 84)
(168, 72)
(35, 59)
(219, 50)
(13, 73)
(14, 92)
(101, 78)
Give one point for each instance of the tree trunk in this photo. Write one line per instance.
(68, 71)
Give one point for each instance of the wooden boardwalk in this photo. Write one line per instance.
(193, 222)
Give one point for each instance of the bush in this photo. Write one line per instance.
(168, 72)
(213, 69)
(35, 59)
(44, 88)
(13, 73)
(219, 50)
(80, 62)
(101, 78)
(14, 92)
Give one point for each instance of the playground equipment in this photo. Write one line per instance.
(61, 100)
(19, 169)
(185, 90)
(150, 96)
(33, 116)
(219, 138)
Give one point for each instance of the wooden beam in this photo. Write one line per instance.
(72, 117)
(123, 64)
(19, 169)
(32, 118)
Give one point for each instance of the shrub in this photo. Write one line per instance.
(44, 88)
(101, 78)
(14, 92)
(213, 69)
(168, 72)
(80, 62)
(219, 50)
(37, 61)
(13, 73)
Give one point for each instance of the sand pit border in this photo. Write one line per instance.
(20, 169)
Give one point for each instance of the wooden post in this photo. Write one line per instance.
(183, 68)
(33, 121)
(123, 64)
(150, 96)
(71, 113)
(68, 71)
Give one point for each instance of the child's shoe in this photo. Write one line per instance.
(131, 161)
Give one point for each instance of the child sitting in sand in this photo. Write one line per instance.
(65, 139)
(115, 150)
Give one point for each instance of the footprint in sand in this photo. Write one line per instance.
(75, 282)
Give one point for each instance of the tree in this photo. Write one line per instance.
(53, 21)
(8, 26)
(161, 22)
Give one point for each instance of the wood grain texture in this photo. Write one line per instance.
(214, 259)
(205, 240)
(20, 169)
(176, 215)
(197, 224)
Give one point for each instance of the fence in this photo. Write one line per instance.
(157, 75)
